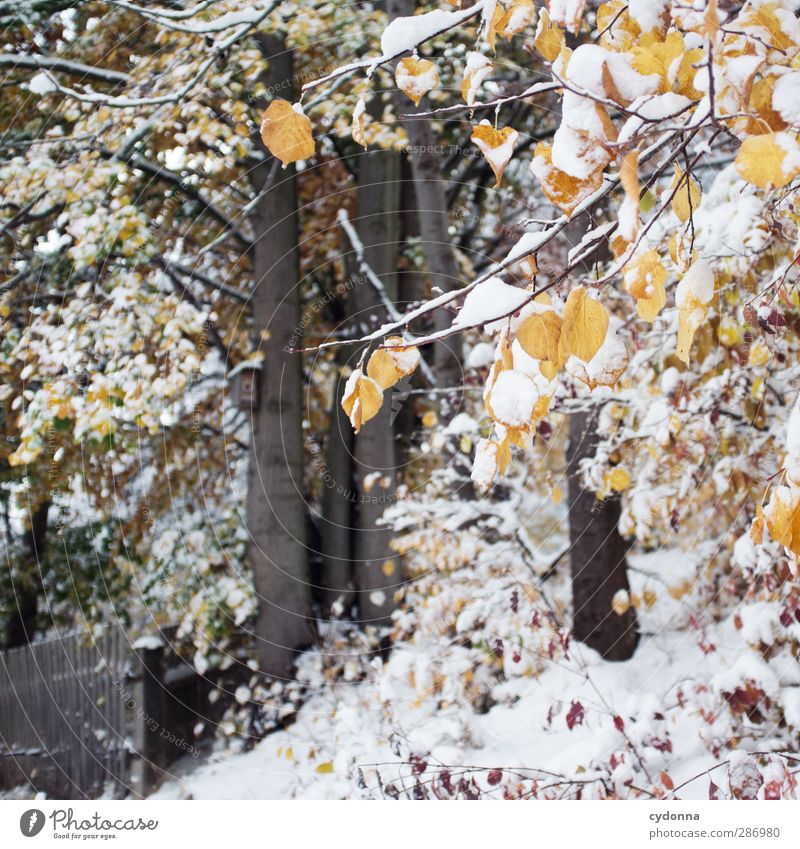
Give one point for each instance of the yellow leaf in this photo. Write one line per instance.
(584, 326)
(687, 198)
(556, 495)
(649, 598)
(687, 71)
(416, 77)
(492, 25)
(619, 479)
(362, 399)
(286, 132)
(358, 127)
(645, 281)
(690, 316)
(560, 188)
(519, 15)
(757, 528)
(620, 603)
(629, 175)
(711, 21)
(759, 354)
(430, 419)
(761, 160)
(549, 38)
(497, 146)
(658, 57)
(478, 68)
(388, 365)
(539, 336)
(325, 768)
(765, 16)
(782, 516)
(388, 567)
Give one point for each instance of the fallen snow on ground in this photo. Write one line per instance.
(579, 719)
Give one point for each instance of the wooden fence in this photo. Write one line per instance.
(81, 717)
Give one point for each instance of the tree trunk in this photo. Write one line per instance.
(597, 553)
(275, 504)
(429, 185)
(378, 204)
(336, 522)
(27, 582)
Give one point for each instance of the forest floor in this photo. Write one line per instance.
(668, 718)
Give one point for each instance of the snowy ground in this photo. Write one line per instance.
(580, 720)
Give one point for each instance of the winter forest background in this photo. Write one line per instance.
(429, 369)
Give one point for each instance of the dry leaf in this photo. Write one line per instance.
(761, 160)
(519, 16)
(362, 399)
(782, 516)
(560, 188)
(286, 132)
(539, 336)
(496, 145)
(549, 38)
(477, 69)
(645, 281)
(687, 198)
(416, 77)
(584, 327)
(388, 365)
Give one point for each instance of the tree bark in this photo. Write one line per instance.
(597, 553)
(430, 192)
(276, 518)
(378, 204)
(336, 522)
(27, 582)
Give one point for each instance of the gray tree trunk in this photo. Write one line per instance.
(378, 224)
(276, 516)
(426, 161)
(597, 554)
(336, 522)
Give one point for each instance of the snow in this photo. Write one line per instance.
(793, 445)
(148, 643)
(479, 356)
(584, 73)
(786, 98)
(484, 466)
(696, 283)
(649, 14)
(660, 695)
(489, 301)
(477, 68)
(42, 83)
(513, 398)
(404, 34)
(652, 108)
(566, 12)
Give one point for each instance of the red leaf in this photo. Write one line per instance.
(575, 715)
(619, 723)
(666, 780)
(495, 776)
(713, 790)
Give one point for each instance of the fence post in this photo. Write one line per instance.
(147, 706)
